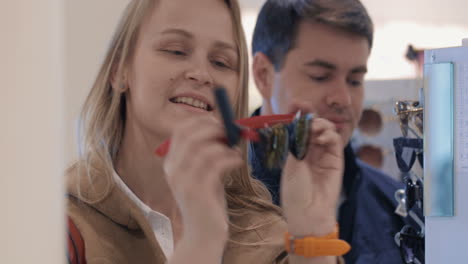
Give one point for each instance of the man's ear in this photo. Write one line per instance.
(264, 72)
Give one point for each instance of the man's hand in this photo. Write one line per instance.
(310, 188)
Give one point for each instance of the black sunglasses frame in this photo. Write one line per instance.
(406, 162)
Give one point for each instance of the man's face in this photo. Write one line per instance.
(323, 74)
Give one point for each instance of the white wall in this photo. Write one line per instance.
(432, 11)
(89, 26)
(31, 132)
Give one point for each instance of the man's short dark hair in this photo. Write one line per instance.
(278, 22)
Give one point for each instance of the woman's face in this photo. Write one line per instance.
(185, 48)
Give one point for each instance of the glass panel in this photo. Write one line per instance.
(438, 139)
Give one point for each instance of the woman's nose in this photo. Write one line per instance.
(199, 73)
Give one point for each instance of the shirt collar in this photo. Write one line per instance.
(150, 214)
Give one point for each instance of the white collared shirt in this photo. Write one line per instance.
(160, 223)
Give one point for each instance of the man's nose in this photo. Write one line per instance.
(340, 94)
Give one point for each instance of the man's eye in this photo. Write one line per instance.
(319, 78)
(355, 83)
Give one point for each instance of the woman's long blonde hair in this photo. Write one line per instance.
(103, 115)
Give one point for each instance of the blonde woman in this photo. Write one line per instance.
(198, 204)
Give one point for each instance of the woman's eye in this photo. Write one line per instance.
(220, 64)
(175, 52)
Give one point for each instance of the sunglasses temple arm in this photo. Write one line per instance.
(246, 126)
(414, 132)
(233, 131)
(418, 221)
(247, 134)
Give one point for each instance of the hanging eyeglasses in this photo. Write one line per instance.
(410, 116)
(407, 150)
(410, 199)
(411, 243)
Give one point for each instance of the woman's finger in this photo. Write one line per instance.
(193, 137)
(209, 161)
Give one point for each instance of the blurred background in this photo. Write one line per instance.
(395, 69)
(51, 50)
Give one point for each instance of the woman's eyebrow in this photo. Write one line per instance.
(184, 33)
(225, 45)
(177, 31)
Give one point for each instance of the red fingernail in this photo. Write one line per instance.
(162, 150)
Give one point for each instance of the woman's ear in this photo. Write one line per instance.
(119, 81)
(264, 72)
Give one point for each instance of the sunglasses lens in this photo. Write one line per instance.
(274, 144)
(418, 122)
(404, 155)
(299, 135)
(404, 124)
(421, 159)
(411, 245)
(408, 255)
(411, 193)
(276, 141)
(407, 150)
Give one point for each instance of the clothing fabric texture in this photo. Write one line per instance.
(115, 229)
(367, 216)
(160, 224)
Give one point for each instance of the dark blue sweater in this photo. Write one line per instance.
(366, 218)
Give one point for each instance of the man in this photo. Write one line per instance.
(312, 55)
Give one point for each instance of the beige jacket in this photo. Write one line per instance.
(115, 230)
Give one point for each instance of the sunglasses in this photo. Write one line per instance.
(411, 244)
(407, 150)
(409, 112)
(276, 141)
(414, 193)
(276, 135)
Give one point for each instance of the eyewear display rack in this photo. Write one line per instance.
(446, 154)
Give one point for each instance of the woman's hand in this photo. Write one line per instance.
(310, 188)
(195, 167)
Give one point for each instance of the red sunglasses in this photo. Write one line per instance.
(276, 134)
